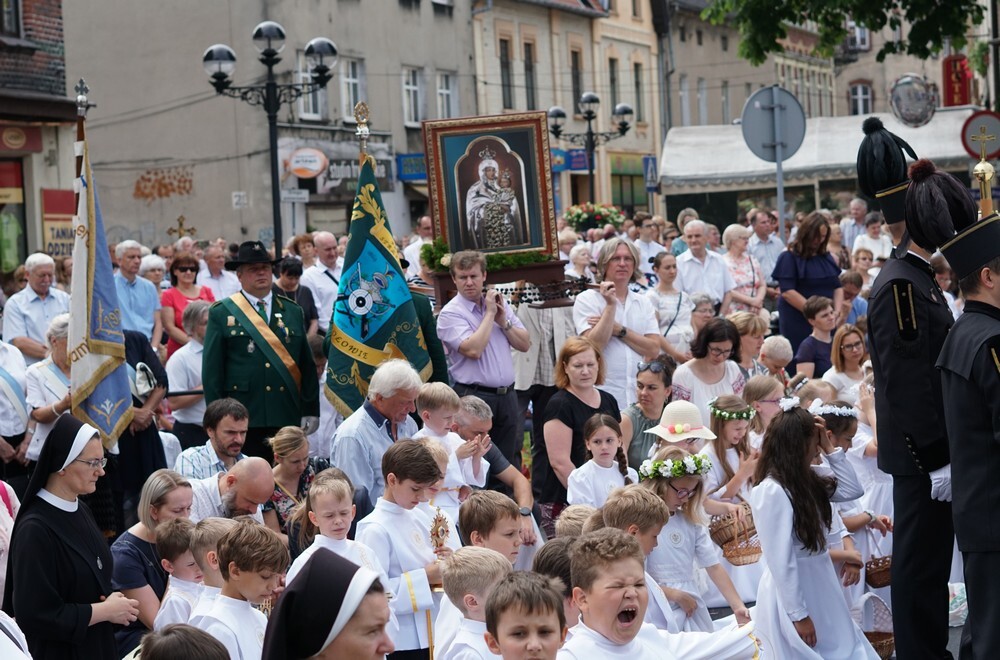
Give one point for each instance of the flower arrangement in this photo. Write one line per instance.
(695, 465)
(788, 403)
(819, 408)
(591, 216)
(437, 256)
(746, 414)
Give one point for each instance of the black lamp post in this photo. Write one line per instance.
(269, 38)
(590, 140)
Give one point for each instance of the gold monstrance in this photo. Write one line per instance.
(439, 530)
(984, 173)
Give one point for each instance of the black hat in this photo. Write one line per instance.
(251, 252)
(974, 247)
(938, 206)
(316, 606)
(882, 168)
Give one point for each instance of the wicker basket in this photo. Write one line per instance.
(878, 570)
(873, 616)
(884, 643)
(724, 529)
(743, 550)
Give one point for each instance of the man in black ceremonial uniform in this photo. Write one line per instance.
(908, 320)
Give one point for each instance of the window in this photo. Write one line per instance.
(628, 192)
(725, 102)
(613, 80)
(312, 105)
(411, 96)
(530, 84)
(861, 99)
(702, 102)
(685, 98)
(858, 37)
(446, 96)
(724, 41)
(682, 33)
(640, 114)
(351, 86)
(10, 18)
(747, 89)
(697, 37)
(576, 75)
(506, 83)
(636, 9)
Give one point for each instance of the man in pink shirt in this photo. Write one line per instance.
(478, 331)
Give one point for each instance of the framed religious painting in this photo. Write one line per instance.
(490, 183)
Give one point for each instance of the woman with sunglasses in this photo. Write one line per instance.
(715, 369)
(847, 354)
(183, 271)
(652, 388)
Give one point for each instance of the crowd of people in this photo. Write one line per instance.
(547, 493)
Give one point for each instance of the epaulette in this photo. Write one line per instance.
(906, 315)
(993, 352)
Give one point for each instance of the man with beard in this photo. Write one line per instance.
(225, 422)
(239, 492)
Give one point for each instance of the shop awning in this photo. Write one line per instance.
(716, 158)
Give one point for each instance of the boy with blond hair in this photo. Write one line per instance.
(469, 577)
(252, 561)
(205, 548)
(173, 545)
(438, 405)
(572, 519)
(524, 619)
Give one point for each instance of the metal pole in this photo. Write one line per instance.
(995, 53)
(271, 106)
(778, 157)
(591, 147)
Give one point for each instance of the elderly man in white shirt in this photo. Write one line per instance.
(239, 492)
(222, 282)
(184, 375)
(854, 224)
(323, 277)
(425, 234)
(700, 270)
(28, 312)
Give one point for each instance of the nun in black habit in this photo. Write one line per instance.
(59, 570)
(330, 611)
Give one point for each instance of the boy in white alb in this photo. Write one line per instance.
(438, 404)
(205, 547)
(524, 618)
(252, 560)
(469, 577)
(327, 514)
(173, 544)
(400, 537)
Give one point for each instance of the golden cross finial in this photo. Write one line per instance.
(180, 230)
(983, 139)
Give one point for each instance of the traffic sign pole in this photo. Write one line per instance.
(778, 157)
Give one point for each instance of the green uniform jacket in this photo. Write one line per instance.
(231, 368)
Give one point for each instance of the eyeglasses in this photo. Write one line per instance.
(681, 492)
(93, 464)
(186, 269)
(720, 352)
(655, 367)
(853, 347)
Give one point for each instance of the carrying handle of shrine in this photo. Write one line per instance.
(984, 172)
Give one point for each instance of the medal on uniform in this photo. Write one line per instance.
(282, 331)
(251, 347)
(231, 321)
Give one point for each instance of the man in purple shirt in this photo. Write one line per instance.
(479, 331)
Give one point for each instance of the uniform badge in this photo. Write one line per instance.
(231, 321)
(676, 538)
(251, 347)
(100, 564)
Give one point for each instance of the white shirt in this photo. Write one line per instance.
(469, 643)
(223, 286)
(658, 611)
(207, 501)
(26, 314)
(254, 300)
(237, 624)
(412, 254)
(401, 541)
(353, 551)
(358, 447)
(620, 361)
(43, 388)
(184, 374)
(178, 603)
(12, 361)
(850, 229)
(587, 644)
(321, 442)
(590, 483)
(460, 472)
(710, 276)
(646, 252)
(881, 247)
(324, 289)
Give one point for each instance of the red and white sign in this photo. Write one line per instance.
(973, 128)
(307, 163)
(956, 76)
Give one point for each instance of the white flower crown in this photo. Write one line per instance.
(820, 408)
(789, 402)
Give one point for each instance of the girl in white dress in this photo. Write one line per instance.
(864, 458)
(762, 393)
(683, 544)
(729, 481)
(673, 309)
(800, 611)
(607, 468)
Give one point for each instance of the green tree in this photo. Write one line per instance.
(762, 22)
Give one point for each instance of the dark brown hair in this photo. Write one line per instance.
(599, 421)
(182, 259)
(715, 331)
(809, 231)
(410, 460)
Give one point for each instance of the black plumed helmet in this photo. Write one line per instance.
(881, 161)
(938, 206)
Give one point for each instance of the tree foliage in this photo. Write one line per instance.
(762, 23)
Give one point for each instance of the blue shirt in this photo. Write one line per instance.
(766, 253)
(859, 307)
(28, 315)
(139, 300)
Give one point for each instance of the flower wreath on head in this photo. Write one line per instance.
(788, 403)
(819, 408)
(695, 465)
(747, 414)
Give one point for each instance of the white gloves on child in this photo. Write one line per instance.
(941, 484)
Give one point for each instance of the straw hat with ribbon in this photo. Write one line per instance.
(681, 420)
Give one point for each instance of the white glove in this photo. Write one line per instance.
(941, 484)
(311, 424)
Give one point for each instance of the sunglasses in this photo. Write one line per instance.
(655, 367)
(186, 269)
(681, 492)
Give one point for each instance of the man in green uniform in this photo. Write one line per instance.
(256, 352)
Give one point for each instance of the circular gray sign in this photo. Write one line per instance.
(758, 123)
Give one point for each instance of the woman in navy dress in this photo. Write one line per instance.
(805, 269)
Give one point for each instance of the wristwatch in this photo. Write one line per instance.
(508, 324)
(524, 511)
(621, 333)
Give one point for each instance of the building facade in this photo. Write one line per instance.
(36, 135)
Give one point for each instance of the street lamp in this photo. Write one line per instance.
(269, 39)
(588, 104)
